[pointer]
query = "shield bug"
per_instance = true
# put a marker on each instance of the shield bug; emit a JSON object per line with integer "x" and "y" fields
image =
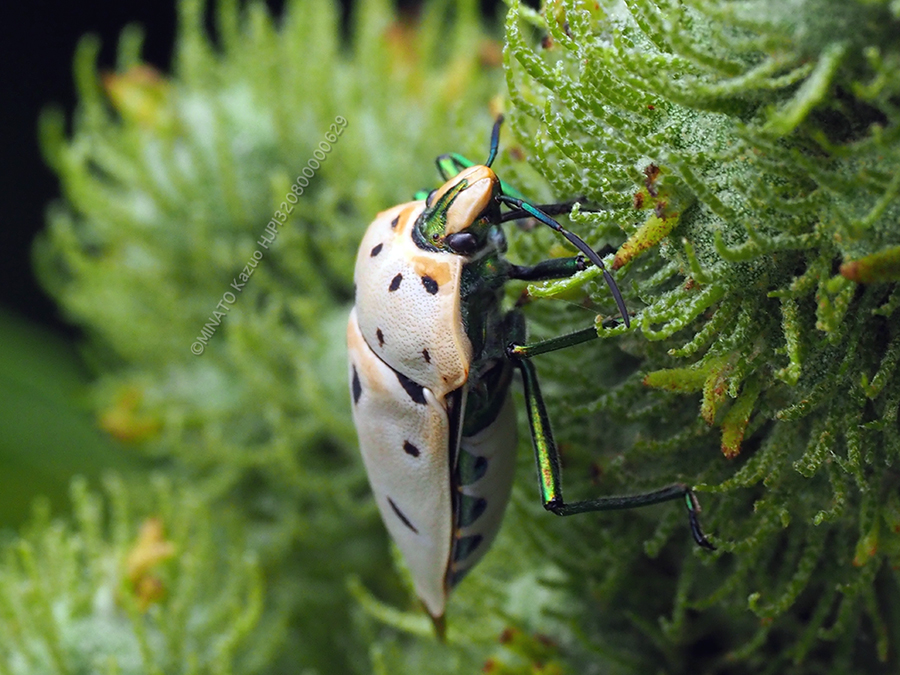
{"x": 432, "y": 355}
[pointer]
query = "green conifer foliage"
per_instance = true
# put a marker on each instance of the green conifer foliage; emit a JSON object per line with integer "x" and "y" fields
{"x": 751, "y": 152}
{"x": 148, "y": 580}
{"x": 742, "y": 159}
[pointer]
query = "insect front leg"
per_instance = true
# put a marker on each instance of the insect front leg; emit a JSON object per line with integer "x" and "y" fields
{"x": 553, "y": 268}
{"x": 547, "y": 454}
{"x": 556, "y": 268}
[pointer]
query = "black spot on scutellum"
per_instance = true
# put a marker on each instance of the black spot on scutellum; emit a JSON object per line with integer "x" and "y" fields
{"x": 395, "y": 221}
{"x": 380, "y": 337}
{"x": 401, "y": 516}
{"x": 416, "y": 391}
{"x": 376, "y": 250}
{"x": 356, "y": 386}
{"x": 410, "y": 449}
{"x": 426, "y": 356}
{"x": 430, "y": 284}
{"x": 395, "y": 283}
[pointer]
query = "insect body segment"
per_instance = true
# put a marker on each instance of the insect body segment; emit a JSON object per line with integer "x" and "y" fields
{"x": 408, "y": 303}
{"x": 483, "y": 480}
{"x": 432, "y": 354}
{"x": 394, "y": 418}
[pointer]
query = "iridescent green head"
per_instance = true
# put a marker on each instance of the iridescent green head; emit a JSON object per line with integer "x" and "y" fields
{"x": 461, "y": 211}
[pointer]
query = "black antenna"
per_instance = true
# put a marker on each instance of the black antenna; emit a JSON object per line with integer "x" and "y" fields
{"x": 577, "y": 241}
{"x": 495, "y": 141}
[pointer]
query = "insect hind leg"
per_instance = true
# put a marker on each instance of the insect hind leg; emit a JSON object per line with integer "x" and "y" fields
{"x": 550, "y": 475}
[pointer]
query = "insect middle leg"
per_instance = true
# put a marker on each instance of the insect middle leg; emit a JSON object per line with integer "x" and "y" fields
{"x": 547, "y": 454}
{"x": 554, "y": 268}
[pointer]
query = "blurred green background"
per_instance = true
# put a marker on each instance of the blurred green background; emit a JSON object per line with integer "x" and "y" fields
{"x": 162, "y": 512}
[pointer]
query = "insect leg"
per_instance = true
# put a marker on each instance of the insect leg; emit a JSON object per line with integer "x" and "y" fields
{"x": 547, "y": 458}
{"x": 451, "y": 164}
{"x": 554, "y": 268}
{"x": 518, "y": 352}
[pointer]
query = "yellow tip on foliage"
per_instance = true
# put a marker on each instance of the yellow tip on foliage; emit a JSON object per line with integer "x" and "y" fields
{"x": 123, "y": 421}
{"x": 141, "y": 95}
{"x": 150, "y": 550}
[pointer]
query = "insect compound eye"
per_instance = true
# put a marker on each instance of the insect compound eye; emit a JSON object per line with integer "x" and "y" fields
{"x": 462, "y": 242}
